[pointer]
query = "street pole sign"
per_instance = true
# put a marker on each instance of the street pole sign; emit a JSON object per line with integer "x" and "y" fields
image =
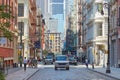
{"x": 3, "y": 40}
{"x": 37, "y": 44}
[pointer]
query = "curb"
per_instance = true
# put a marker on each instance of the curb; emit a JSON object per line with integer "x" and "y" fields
{"x": 27, "y": 78}
{"x": 103, "y": 74}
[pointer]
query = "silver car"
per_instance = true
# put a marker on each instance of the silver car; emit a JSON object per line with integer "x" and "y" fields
{"x": 61, "y": 61}
{"x": 48, "y": 60}
{"x": 72, "y": 60}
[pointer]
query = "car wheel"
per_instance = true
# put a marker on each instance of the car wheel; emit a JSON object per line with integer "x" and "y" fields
{"x": 44, "y": 63}
{"x": 67, "y": 68}
{"x": 55, "y": 68}
{"x": 76, "y": 64}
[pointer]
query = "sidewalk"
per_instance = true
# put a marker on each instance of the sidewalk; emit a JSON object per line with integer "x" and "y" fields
{"x": 20, "y": 74}
{"x": 12, "y": 70}
{"x": 115, "y": 72}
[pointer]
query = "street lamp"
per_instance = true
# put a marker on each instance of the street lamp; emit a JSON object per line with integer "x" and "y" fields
{"x": 107, "y": 5}
{"x": 21, "y": 44}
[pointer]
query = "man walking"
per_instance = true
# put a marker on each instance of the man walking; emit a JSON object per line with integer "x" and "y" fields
{"x": 25, "y": 63}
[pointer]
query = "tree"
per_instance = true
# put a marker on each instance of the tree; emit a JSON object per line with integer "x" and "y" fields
{"x": 5, "y": 16}
{"x": 45, "y": 52}
{"x": 2, "y": 76}
{"x": 100, "y": 8}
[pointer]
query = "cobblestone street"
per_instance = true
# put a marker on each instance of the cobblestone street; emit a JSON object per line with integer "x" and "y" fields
{"x": 75, "y": 73}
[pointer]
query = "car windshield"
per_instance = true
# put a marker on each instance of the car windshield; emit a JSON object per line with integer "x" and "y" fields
{"x": 61, "y": 58}
{"x": 49, "y": 57}
{"x": 71, "y": 58}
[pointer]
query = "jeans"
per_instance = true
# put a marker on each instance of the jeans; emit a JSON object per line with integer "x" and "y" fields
{"x": 24, "y": 66}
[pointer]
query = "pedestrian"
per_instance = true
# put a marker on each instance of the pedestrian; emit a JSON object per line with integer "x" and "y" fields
{"x": 86, "y": 62}
{"x": 25, "y": 63}
{"x": 29, "y": 62}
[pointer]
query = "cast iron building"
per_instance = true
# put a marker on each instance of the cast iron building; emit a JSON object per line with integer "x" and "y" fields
{"x": 53, "y": 42}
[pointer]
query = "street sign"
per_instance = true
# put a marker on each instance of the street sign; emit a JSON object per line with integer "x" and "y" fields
{"x": 73, "y": 52}
{"x": 3, "y": 40}
{"x": 19, "y": 47}
{"x": 37, "y": 44}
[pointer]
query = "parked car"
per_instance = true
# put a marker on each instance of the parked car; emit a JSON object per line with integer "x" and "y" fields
{"x": 61, "y": 61}
{"x": 72, "y": 60}
{"x": 48, "y": 60}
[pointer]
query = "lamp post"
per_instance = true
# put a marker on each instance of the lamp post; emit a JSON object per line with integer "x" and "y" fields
{"x": 107, "y": 5}
{"x": 21, "y": 44}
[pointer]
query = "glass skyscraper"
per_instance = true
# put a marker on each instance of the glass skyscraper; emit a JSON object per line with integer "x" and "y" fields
{"x": 57, "y": 1}
{"x": 56, "y": 9}
{"x": 43, "y": 5}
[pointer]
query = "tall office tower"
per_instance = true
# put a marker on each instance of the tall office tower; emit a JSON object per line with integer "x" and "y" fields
{"x": 56, "y": 9}
{"x": 43, "y": 4}
{"x": 52, "y": 25}
{"x": 53, "y": 9}
{"x": 68, "y": 11}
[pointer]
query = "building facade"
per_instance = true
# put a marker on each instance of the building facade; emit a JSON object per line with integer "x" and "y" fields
{"x": 80, "y": 50}
{"x": 56, "y": 10}
{"x": 115, "y": 33}
{"x": 95, "y": 31}
{"x": 54, "y": 42}
{"x": 43, "y": 5}
{"x": 39, "y": 34}
{"x": 52, "y": 25}
{"x": 27, "y": 27}
{"x": 72, "y": 27}
{"x": 8, "y": 49}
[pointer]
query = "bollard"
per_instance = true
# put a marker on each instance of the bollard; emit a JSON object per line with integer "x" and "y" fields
{"x": 92, "y": 65}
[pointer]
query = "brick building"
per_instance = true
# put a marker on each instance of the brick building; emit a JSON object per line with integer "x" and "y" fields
{"x": 7, "y": 47}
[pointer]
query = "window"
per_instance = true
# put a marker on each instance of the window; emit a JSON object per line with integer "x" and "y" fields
{"x": 20, "y": 9}
{"x": 118, "y": 20}
{"x": 2, "y": 1}
{"x": 113, "y": 20}
{"x": 57, "y": 9}
{"x": 99, "y": 29}
{"x": 57, "y": 1}
{"x": 61, "y": 58}
{"x": 100, "y": 8}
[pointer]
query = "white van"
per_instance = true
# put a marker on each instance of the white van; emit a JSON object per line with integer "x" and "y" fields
{"x": 61, "y": 61}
